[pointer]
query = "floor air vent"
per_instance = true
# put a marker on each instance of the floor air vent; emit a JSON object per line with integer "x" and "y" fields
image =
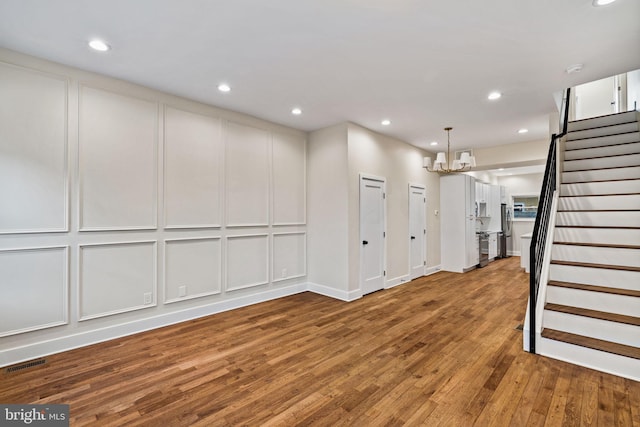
{"x": 26, "y": 365}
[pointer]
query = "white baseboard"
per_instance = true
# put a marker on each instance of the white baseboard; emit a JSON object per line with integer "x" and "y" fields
{"x": 431, "y": 270}
{"x": 333, "y": 292}
{"x": 57, "y": 345}
{"x": 392, "y": 283}
{"x": 36, "y": 350}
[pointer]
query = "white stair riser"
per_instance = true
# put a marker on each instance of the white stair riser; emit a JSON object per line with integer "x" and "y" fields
{"x": 602, "y": 163}
{"x": 610, "y": 303}
{"x": 610, "y": 150}
{"x": 595, "y": 122}
{"x": 602, "y": 141}
{"x": 603, "y": 131}
{"x": 595, "y": 203}
{"x": 599, "y": 219}
{"x": 621, "y": 279}
{"x": 596, "y": 255}
{"x": 601, "y": 175}
{"x": 595, "y": 328}
{"x": 607, "y": 187}
{"x": 614, "y": 236}
{"x": 599, "y": 360}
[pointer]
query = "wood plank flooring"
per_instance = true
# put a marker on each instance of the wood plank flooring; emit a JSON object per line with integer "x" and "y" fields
{"x": 441, "y": 350}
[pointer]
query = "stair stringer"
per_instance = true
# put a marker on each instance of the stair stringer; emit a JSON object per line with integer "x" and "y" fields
{"x": 544, "y": 279}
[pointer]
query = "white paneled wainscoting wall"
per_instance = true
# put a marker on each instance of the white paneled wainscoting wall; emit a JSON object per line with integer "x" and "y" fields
{"x": 125, "y": 209}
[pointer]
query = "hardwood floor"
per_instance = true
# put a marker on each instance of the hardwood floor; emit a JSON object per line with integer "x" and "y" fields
{"x": 441, "y": 350}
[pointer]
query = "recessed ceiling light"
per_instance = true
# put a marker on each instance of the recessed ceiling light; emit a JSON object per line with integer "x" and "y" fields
{"x": 386, "y": 122}
{"x": 575, "y": 68}
{"x": 99, "y": 45}
{"x": 494, "y": 95}
{"x": 434, "y": 143}
{"x": 597, "y": 3}
{"x": 501, "y": 169}
{"x": 523, "y": 131}
{"x": 296, "y": 111}
{"x": 223, "y": 87}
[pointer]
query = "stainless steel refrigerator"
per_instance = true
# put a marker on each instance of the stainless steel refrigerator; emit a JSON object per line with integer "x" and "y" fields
{"x": 506, "y": 217}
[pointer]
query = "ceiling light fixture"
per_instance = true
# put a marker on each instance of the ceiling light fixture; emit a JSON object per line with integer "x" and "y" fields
{"x": 575, "y": 68}
{"x": 434, "y": 143}
{"x": 223, "y": 87}
{"x": 494, "y": 95}
{"x": 523, "y": 131}
{"x": 386, "y": 122}
{"x": 99, "y": 45}
{"x": 597, "y": 3}
{"x": 296, "y": 111}
{"x": 441, "y": 165}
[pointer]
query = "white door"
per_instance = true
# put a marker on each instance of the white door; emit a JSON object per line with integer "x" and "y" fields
{"x": 417, "y": 230}
{"x": 372, "y": 234}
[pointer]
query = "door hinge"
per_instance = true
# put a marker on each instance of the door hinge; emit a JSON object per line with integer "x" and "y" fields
{"x": 384, "y": 234}
{"x": 384, "y": 195}
{"x": 424, "y": 263}
{"x": 425, "y": 200}
{"x": 384, "y": 273}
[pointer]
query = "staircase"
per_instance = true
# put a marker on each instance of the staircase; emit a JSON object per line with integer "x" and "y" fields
{"x": 592, "y": 308}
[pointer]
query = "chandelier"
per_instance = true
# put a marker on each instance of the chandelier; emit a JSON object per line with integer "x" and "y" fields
{"x": 441, "y": 165}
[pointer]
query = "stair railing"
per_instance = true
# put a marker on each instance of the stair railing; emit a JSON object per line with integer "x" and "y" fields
{"x": 543, "y": 217}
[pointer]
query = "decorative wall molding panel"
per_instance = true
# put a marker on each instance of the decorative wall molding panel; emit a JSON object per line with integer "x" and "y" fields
{"x": 117, "y": 161}
{"x": 193, "y": 154}
{"x": 192, "y": 268}
{"x": 247, "y": 175}
{"x": 116, "y": 277}
{"x": 289, "y": 180}
{"x": 247, "y": 261}
{"x": 33, "y": 151}
{"x": 34, "y": 286}
{"x": 125, "y": 209}
{"x": 289, "y": 255}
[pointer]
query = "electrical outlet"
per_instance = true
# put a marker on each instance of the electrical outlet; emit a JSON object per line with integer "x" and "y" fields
{"x": 284, "y": 272}
{"x": 147, "y": 297}
{"x": 182, "y": 291}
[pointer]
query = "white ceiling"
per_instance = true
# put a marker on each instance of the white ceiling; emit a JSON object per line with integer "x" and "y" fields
{"x": 424, "y": 64}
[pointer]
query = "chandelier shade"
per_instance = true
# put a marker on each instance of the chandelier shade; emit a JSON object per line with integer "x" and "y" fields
{"x": 441, "y": 164}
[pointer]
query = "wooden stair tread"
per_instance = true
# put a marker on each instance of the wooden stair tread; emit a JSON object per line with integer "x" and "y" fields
{"x": 597, "y": 245}
{"x": 597, "y": 180}
{"x": 600, "y": 157}
{"x": 598, "y": 136}
{"x": 594, "y": 288}
{"x": 601, "y": 146}
{"x": 598, "y": 226}
{"x": 602, "y": 315}
{"x": 593, "y": 343}
{"x": 599, "y": 210}
{"x": 602, "y": 116}
{"x": 599, "y": 195}
{"x": 593, "y": 265}
{"x": 598, "y": 169}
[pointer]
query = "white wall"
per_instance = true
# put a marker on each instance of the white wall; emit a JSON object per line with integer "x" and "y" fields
{"x": 327, "y": 203}
{"x": 125, "y": 209}
{"x": 401, "y": 164}
{"x": 633, "y": 90}
{"x": 520, "y": 185}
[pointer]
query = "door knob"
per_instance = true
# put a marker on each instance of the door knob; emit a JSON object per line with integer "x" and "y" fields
{"x": 413, "y": 237}
{"x": 364, "y": 242}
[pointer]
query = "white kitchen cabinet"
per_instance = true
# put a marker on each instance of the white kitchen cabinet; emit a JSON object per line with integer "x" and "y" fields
{"x": 459, "y": 241}
{"x": 493, "y": 245}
